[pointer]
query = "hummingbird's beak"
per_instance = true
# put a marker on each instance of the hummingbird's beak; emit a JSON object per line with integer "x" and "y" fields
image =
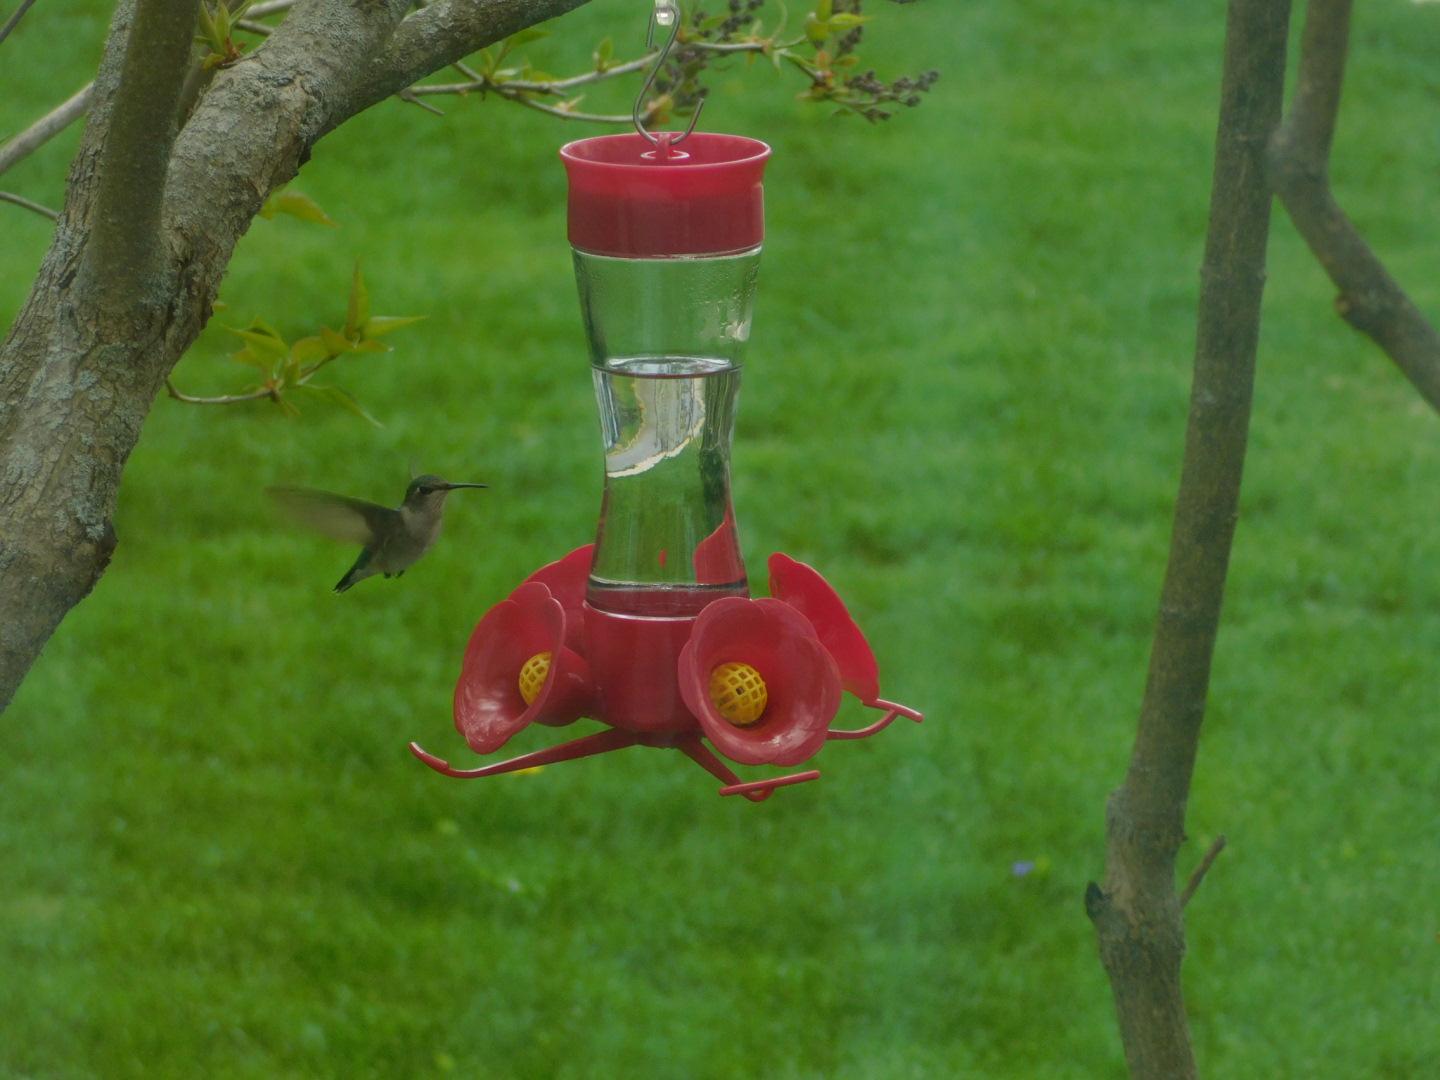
{"x": 452, "y": 487}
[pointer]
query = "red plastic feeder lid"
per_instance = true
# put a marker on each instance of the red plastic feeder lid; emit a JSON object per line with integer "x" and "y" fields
{"x": 633, "y": 200}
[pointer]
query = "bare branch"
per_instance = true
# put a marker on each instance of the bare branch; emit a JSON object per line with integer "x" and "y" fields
{"x": 125, "y": 237}
{"x": 20, "y": 200}
{"x": 752, "y": 45}
{"x": 224, "y": 399}
{"x": 1370, "y": 299}
{"x": 1197, "y": 876}
{"x": 409, "y": 97}
{"x": 478, "y": 82}
{"x": 562, "y": 113}
{"x": 14, "y": 20}
{"x": 1137, "y": 913}
{"x": 46, "y": 128}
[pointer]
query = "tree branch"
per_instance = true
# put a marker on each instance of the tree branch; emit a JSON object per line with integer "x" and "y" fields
{"x": 552, "y": 87}
{"x": 1370, "y": 299}
{"x": 1197, "y": 876}
{"x": 1137, "y": 913}
{"x": 224, "y": 399}
{"x": 46, "y": 128}
{"x": 125, "y": 233}
{"x": 18, "y": 200}
{"x": 14, "y": 20}
{"x": 562, "y": 113}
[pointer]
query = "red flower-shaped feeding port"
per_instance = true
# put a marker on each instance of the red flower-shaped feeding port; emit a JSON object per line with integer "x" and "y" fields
{"x": 802, "y": 587}
{"x": 789, "y": 671}
{"x": 518, "y": 669}
{"x": 760, "y": 679}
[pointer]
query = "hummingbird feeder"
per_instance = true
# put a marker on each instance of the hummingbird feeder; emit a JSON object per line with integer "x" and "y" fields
{"x": 651, "y": 630}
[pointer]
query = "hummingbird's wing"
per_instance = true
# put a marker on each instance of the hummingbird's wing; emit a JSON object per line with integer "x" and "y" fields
{"x": 352, "y": 521}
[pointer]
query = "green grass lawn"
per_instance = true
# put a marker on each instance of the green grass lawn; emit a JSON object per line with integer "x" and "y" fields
{"x": 964, "y": 403}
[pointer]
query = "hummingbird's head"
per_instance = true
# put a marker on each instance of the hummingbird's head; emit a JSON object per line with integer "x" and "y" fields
{"x": 431, "y": 490}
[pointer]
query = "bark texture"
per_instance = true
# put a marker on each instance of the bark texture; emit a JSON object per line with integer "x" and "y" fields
{"x": 120, "y": 296}
{"x": 1137, "y": 912}
{"x": 1370, "y": 299}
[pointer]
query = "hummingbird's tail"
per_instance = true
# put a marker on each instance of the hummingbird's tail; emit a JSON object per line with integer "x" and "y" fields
{"x": 359, "y": 572}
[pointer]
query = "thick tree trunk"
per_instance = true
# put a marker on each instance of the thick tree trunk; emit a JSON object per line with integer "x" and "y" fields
{"x": 1137, "y": 913}
{"x": 79, "y": 373}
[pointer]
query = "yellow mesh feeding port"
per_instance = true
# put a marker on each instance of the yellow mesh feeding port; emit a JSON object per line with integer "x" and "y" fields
{"x": 533, "y": 676}
{"x": 738, "y": 693}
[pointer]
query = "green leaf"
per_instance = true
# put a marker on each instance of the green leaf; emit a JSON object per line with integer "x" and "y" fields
{"x": 307, "y": 350}
{"x": 222, "y": 23}
{"x": 526, "y": 36}
{"x": 291, "y": 371}
{"x": 250, "y": 358}
{"x": 380, "y": 325}
{"x": 296, "y": 204}
{"x": 208, "y": 35}
{"x": 824, "y": 9}
{"x": 603, "y": 53}
{"x": 344, "y": 399}
{"x": 370, "y": 345}
{"x": 816, "y": 30}
{"x": 358, "y": 313}
{"x": 845, "y": 21}
{"x": 263, "y": 337}
{"x": 337, "y": 344}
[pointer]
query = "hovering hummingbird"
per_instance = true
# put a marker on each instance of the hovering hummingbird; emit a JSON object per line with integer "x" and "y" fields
{"x": 392, "y": 540}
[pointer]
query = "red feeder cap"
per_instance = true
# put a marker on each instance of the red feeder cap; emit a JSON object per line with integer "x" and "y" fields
{"x": 633, "y": 200}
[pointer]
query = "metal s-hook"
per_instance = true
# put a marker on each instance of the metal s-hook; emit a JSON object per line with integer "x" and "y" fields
{"x": 665, "y": 13}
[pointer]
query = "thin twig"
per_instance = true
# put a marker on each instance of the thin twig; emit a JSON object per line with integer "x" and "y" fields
{"x": 225, "y": 399}
{"x": 1198, "y": 875}
{"x": 47, "y": 127}
{"x": 741, "y": 46}
{"x": 14, "y": 20}
{"x": 20, "y": 200}
{"x": 409, "y": 96}
{"x": 564, "y": 114}
{"x": 550, "y": 86}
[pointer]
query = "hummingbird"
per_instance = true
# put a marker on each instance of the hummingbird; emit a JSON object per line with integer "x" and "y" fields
{"x": 392, "y": 540}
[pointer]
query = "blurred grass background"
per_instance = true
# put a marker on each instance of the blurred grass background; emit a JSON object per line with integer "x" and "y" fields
{"x": 964, "y": 404}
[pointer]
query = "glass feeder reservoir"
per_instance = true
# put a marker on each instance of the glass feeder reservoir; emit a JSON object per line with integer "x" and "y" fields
{"x": 667, "y": 248}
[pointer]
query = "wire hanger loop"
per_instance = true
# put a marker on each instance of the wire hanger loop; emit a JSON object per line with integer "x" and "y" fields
{"x": 665, "y": 13}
